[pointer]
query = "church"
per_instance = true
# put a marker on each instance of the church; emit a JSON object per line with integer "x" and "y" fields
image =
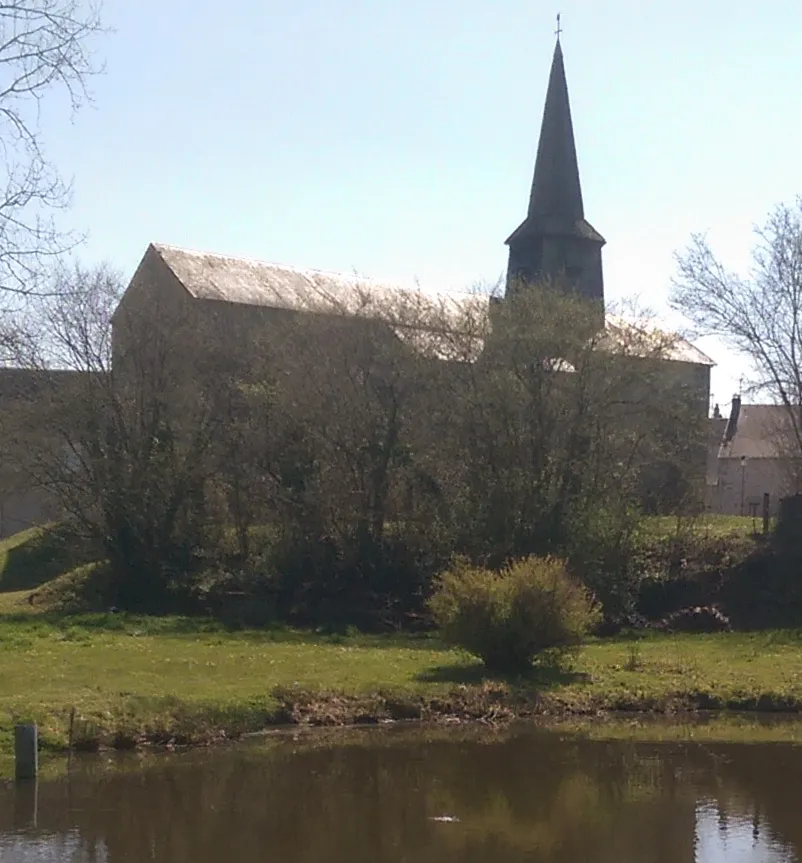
{"x": 553, "y": 244}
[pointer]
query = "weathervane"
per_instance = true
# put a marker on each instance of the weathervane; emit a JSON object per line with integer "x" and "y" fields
{"x": 559, "y": 28}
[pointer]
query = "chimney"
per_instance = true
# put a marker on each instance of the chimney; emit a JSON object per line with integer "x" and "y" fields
{"x": 732, "y": 423}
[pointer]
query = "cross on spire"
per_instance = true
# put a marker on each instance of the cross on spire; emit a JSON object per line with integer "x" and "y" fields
{"x": 559, "y": 28}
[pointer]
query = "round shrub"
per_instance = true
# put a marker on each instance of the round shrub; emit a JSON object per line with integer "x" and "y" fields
{"x": 507, "y": 618}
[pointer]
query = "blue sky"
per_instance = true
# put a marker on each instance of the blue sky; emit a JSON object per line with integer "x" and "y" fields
{"x": 398, "y": 139}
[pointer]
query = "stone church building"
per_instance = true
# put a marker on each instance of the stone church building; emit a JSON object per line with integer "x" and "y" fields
{"x": 554, "y": 242}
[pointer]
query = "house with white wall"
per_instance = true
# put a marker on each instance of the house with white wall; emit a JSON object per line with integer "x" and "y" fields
{"x": 752, "y": 453}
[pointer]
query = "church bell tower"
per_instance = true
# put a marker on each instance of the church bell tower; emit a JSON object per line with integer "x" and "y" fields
{"x": 555, "y": 242}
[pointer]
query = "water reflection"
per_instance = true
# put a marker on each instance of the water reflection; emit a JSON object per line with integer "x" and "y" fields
{"x": 735, "y": 840}
{"x": 382, "y": 797}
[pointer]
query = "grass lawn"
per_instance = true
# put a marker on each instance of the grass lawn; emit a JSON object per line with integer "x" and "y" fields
{"x": 705, "y": 525}
{"x": 133, "y": 679}
{"x": 155, "y": 678}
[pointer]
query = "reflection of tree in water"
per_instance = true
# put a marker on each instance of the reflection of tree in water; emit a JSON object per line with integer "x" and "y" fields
{"x": 573, "y": 801}
{"x": 762, "y": 784}
{"x": 535, "y": 797}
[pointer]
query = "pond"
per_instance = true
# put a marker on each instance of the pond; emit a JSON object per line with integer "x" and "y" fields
{"x": 443, "y": 794}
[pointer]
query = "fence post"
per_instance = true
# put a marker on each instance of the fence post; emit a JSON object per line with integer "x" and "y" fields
{"x": 26, "y": 751}
{"x": 765, "y": 513}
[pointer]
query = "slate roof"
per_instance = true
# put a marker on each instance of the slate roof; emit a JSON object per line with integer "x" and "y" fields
{"x": 556, "y": 190}
{"x": 257, "y": 283}
{"x": 555, "y": 202}
{"x": 555, "y": 226}
{"x": 653, "y": 340}
{"x": 762, "y": 431}
{"x": 220, "y": 278}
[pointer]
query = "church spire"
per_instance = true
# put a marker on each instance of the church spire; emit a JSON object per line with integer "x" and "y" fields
{"x": 556, "y": 191}
{"x": 555, "y": 242}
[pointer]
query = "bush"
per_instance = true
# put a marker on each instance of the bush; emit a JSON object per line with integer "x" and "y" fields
{"x": 691, "y": 568}
{"x": 765, "y": 590}
{"x": 604, "y": 549}
{"x": 507, "y": 618}
{"x": 341, "y": 580}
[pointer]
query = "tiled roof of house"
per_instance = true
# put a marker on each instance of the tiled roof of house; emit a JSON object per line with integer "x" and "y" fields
{"x": 761, "y": 431}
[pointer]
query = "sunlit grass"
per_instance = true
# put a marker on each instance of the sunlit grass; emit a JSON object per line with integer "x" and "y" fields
{"x": 711, "y": 525}
{"x": 16, "y": 602}
{"x": 193, "y": 678}
{"x": 152, "y": 678}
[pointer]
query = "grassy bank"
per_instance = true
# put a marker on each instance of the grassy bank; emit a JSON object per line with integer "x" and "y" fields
{"x": 134, "y": 680}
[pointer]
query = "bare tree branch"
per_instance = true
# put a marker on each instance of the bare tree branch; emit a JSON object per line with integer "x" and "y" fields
{"x": 758, "y": 314}
{"x": 45, "y": 47}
